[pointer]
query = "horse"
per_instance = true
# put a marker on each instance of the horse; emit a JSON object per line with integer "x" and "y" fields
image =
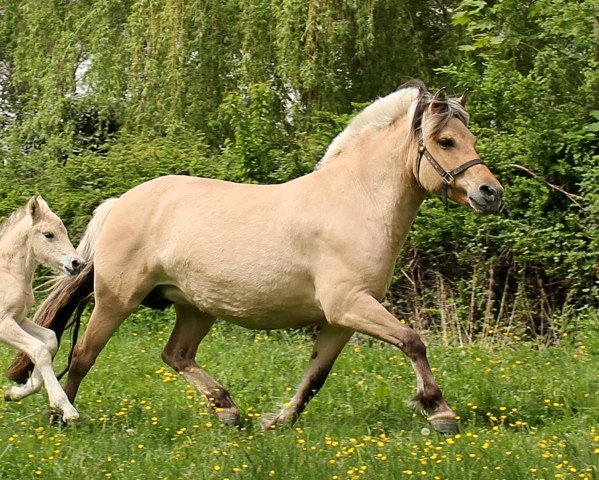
{"x": 318, "y": 250}
{"x": 31, "y": 236}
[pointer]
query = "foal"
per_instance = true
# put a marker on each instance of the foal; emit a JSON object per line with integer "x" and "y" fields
{"x": 30, "y": 236}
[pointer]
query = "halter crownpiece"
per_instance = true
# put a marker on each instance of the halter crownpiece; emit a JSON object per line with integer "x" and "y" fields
{"x": 448, "y": 176}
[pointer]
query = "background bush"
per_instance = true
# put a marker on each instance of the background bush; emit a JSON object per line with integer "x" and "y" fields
{"x": 98, "y": 96}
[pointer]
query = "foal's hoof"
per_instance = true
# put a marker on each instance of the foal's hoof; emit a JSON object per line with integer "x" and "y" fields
{"x": 228, "y": 416}
{"x": 54, "y": 417}
{"x": 7, "y": 395}
{"x": 70, "y": 418}
{"x": 447, "y": 426}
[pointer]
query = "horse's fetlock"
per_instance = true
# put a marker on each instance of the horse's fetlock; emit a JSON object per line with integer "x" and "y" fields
{"x": 413, "y": 346}
{"x": 428, "y": 399}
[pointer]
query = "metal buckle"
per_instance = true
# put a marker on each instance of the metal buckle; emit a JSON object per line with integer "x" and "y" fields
{"x": 447, "y": 177}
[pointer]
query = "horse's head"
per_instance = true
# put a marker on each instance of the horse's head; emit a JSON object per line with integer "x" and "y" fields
{"x": 447, "y": 163}
{"x": 50, "y": 240}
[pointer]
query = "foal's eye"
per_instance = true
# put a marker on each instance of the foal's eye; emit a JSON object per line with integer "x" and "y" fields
{"x": 445, "y": 142}
{"x": 48, "y": 235}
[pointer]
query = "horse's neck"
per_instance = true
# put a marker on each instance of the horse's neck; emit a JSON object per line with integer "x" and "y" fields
{"x": 377, "y": 169}
{"x": 16, "y": 254}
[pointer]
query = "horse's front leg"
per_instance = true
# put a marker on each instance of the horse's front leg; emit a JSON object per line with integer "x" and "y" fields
{"x": 365, "y": 314}
{"x": 329, "y": 343}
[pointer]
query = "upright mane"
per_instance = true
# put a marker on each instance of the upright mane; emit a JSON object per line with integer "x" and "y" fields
{"x": 12, "y": 220}
{"x": 412, "y": 99}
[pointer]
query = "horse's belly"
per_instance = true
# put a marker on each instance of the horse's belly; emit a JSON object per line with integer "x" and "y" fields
{"x": 252, "y": 297}
{"x": 276, "y": 320}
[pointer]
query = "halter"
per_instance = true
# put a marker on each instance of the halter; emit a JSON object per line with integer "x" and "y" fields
{"x": 448, "y": 176}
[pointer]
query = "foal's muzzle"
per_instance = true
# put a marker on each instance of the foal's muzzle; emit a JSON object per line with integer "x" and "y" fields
{"x": 75, "y": 265}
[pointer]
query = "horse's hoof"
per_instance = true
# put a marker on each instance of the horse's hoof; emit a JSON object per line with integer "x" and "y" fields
{"x": 447, "y": 426}
{"x": 270, "y": 421}
{"x": 228, "y": 416}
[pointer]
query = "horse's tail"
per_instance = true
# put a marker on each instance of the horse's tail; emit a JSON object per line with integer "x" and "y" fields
{"x": 69, "y": 295}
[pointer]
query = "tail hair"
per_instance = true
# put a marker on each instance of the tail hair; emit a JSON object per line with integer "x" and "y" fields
{"x": 70, "y": 294}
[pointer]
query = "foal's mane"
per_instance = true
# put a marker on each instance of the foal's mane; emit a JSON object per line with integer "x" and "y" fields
{"x": 411, "y": 99}
{"x": 12, "y": 220}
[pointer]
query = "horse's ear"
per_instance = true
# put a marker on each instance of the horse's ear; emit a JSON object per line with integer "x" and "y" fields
{"x": 439, "y": 102}
{"x": 464, "y": 98}
{"x": 34, "y": 208}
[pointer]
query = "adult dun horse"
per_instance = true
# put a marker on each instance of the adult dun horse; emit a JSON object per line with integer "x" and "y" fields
{"x": 318, "y": 250}
{"x": 30, "y": 236}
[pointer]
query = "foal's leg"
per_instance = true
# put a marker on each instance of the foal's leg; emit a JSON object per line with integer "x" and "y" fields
{"x": 16, "y": 337}
{"x": 364, "y": 314}
{"x": 35, "y": 381}
{"x": 329, "y": 343}
{"x": 191, "y": 327}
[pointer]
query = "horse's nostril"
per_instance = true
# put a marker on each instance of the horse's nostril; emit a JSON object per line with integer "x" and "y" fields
{"x": 76, "y": 265}
{"x": 488, "y": 191}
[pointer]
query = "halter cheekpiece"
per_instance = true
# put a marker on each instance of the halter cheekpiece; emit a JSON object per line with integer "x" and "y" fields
{"x": 448, "y": 176}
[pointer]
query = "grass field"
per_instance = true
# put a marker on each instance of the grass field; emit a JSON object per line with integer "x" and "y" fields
{"x": 526, "y": 413}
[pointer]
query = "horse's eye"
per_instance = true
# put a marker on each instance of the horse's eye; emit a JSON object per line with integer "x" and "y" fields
{"x": 48, "y": 235}
{"x": 446, "y": 142}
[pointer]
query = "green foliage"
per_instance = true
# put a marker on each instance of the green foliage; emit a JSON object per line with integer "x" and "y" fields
{"x": 98, "y": 96}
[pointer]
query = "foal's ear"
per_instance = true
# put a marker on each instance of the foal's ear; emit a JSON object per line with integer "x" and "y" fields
{"x": 464, "y": 98}
{"x": 34, "y": 208}
{"x": 439, "y": 102}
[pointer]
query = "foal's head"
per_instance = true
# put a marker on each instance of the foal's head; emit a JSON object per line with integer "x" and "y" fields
{"x": 448, "y": 164}
{"x": 49, "y": 238}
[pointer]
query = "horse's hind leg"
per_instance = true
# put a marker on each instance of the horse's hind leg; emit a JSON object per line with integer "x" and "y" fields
{"x": 191, "y": 327}
{"x": 35, "y": 381}
{"x": 329, "y": 343}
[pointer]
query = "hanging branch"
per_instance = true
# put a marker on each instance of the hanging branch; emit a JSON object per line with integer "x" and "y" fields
{"x": 573, "y": 198}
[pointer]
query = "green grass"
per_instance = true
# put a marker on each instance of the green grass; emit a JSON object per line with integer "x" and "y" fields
{"x": 526, "y": 413}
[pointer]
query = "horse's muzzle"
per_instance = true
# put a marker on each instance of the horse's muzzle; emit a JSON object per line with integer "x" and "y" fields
{"x": 487, "y": 198}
